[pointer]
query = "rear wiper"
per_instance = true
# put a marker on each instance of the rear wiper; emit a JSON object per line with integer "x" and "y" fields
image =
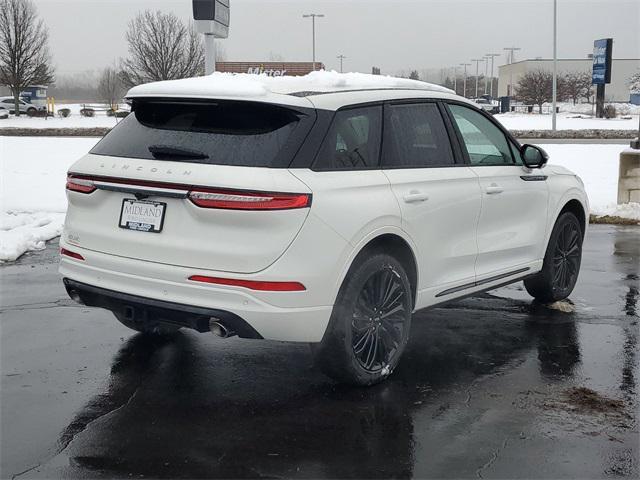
{"x": 165, "y": 152}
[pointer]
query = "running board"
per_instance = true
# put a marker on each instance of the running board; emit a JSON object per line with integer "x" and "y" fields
{"x": 467, "y": 286}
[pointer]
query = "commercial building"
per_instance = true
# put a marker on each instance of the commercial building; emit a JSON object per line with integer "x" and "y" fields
{"x": 616, "y": 91}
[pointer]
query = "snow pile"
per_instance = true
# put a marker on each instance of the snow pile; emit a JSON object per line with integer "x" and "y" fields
{"x": 33, "y": 172}
{"x": 627, "y": 210}
{"x": 252, "y": 85}
{"x": 21, "y": 232}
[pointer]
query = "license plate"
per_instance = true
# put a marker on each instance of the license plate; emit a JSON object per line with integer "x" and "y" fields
{"x": 142, "y": 215}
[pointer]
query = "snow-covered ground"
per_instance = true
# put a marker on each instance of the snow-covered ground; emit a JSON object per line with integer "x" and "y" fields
{"x": 33, "y": 172}
{"x": 32, "y": 197}
{"x": 571, "y": 117}
{"x": 565, "y": 121}
{"x": 75, "y": 120}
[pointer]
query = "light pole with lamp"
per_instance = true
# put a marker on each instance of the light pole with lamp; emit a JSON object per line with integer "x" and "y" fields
{"x": 455, "y": 79}
{"x": 511, "y": 59}
{"x": 492, "y": 56}
{"x": 486, "y": 74}
{"x": 477, "y": 60}
{"x": 464, "y": 85}
{"x": 313, "y": 32}
{"x": 555, "y": 65}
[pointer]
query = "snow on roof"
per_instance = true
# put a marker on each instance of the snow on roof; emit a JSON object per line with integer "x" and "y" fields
{"x": 221, "y": 84}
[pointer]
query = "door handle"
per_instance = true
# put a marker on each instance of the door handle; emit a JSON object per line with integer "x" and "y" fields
{"x": 494, "y": 189}
{"x": 415, "y": 196}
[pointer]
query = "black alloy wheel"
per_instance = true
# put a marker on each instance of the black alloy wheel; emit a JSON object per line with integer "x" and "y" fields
{"x": 561, "y": 264}
{"x": 378, "y": 323}
{"x": 370, "y": 322}
{"x": 566, "y": 258}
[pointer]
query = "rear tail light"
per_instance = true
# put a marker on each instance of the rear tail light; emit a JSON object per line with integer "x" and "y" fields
{"x": 69, "y": 253}
{"x": 82, "y": 185}
{"x": 200, "y": 196}
{"x": 248, "y": 200}
{"x": 252, "y": 284}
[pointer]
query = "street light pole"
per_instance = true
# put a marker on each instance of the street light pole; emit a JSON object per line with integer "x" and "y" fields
{"x": 455, "y": 79}
{"x": 492, "y": 56}
{"x": 477, "y": 60}
{"x": 464, "y": 87}
{"x": 313, "y": 33}
{"x": 341, "y": 57}
{"x": 511, "y": 57}
{"x": 486, "y": 74}
{"x": 555, "y": 64}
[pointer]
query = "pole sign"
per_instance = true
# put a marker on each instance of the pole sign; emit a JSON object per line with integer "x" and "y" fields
{"x": 212, "y": 17}
{"x": 602, "y": 54}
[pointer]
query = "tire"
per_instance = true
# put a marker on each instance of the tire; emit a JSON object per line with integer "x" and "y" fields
{"x": 148, "y": 328}
{"x": 31, "y": 112}
{"x": 375, "y": 298}
{"x": 561, "y": 264}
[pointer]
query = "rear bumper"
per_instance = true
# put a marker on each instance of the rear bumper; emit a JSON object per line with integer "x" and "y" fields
{"x": 110, "y": 282}
{"x": 143, "y": 309}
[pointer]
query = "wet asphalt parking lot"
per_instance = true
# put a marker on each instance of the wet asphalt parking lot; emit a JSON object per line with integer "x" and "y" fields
{"x": 492, "y": 386}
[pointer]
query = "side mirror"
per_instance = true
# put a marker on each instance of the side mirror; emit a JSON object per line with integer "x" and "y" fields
{"x": 534, "y": 156}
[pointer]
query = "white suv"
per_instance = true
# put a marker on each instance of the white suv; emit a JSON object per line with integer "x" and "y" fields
{"x": 321, "y": 212}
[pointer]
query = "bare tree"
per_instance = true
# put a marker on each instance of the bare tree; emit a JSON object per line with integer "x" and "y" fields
{"x": 634, "y": 82}
{"x": 24, "y": 53}
{"x": 536, "y": 88}
{"x": 576, "y": 85}
{"x": 161, "y": 47}
{"x": 414, "y": 75}
{"x": 110, "y": 89}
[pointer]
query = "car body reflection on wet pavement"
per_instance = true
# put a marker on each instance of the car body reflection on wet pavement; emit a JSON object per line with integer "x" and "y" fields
{"x": 487, "y": 388}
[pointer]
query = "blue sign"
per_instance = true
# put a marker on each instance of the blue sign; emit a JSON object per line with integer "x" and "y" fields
{"x": 602, "y": 50}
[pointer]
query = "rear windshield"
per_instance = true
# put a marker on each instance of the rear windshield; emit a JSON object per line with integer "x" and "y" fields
{"x": 217, "y": 133}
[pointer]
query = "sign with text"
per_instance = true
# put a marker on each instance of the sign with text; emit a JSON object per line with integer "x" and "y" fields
{"x": 602, "y": 54}
{"x": 212, "y": 17}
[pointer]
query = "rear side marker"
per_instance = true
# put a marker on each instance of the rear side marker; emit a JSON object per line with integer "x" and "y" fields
{"x": 69, "y": 253}
{"x": 251, "y": 284}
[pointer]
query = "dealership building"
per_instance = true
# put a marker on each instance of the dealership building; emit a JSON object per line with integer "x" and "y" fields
{"x": 273, "y": 69}
{"x": 616, "y": 91}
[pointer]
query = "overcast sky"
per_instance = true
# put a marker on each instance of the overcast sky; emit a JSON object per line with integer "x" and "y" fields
{"x": 392, "y": 34}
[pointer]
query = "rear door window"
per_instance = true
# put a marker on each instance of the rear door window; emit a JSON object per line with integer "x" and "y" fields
{"x": 415, "y": 137}
{"x": 353, "y": 140}
{"x": 217, "y": 133}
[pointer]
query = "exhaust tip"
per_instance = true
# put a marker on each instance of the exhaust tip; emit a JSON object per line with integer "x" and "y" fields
{"x": 75, "y": 296}
{"x": 218, "y": 329}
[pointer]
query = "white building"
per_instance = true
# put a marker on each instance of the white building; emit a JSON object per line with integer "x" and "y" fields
{"x": 616, "y": 91}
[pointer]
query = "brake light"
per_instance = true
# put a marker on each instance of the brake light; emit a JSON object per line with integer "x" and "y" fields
{"x": 249, "y": 200}
{"x": 69, "y": 253}
{"x": 252, "y": 284}
{"x": 82, "y": 185}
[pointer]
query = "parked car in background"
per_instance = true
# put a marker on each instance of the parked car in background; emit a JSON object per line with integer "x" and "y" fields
{"x": 488, "y": 105}
{"x": 9, "y": 104}
{"x": 312, "y": 214}
{"x": 4, "y": 113}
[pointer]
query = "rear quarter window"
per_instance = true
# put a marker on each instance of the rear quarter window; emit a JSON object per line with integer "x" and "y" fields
{"x": 218, "y": 133}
